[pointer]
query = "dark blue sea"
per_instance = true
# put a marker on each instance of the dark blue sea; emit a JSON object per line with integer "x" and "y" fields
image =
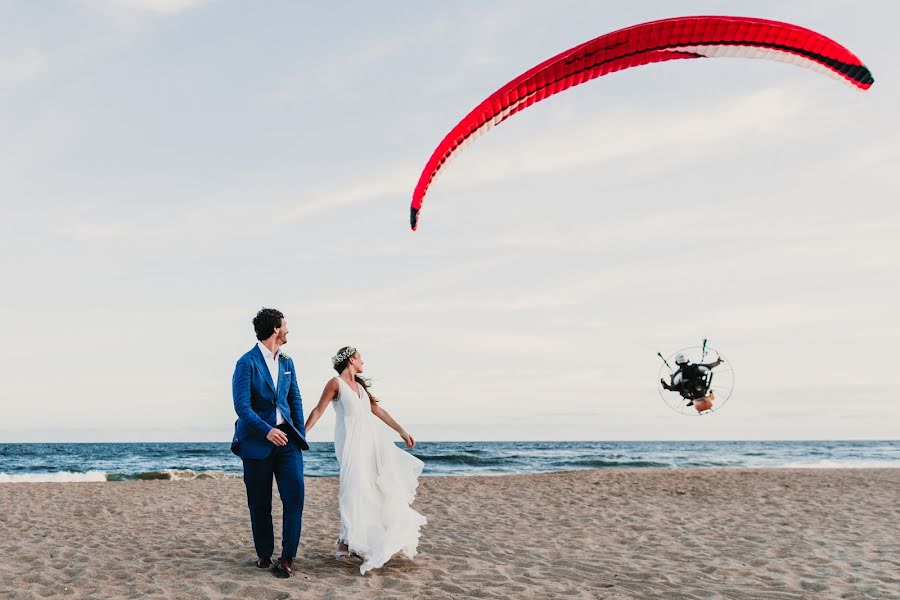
{"x": 118, "y": 462}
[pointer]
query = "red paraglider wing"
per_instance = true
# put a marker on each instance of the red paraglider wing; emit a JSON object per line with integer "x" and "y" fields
{"x": 657, "y": 41}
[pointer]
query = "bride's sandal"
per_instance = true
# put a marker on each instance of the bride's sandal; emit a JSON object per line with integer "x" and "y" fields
{"x": 341, "y": 554}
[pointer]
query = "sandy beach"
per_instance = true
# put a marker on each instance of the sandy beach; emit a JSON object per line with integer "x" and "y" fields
{"x": 637, "y": 533}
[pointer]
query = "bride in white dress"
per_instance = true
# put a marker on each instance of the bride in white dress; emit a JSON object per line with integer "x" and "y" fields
{"x": 378, "y": 480}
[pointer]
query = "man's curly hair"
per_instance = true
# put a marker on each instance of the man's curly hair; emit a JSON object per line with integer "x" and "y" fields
{"x": 266, "y": 321}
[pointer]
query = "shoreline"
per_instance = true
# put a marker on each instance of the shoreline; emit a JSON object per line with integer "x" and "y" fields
{"x": 603, "y": 533}
{"x": 198, "y": 460}
{"x": 184, "y": 475}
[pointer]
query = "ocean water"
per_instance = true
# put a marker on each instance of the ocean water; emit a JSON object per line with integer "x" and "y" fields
{"x": 117, "y": 462}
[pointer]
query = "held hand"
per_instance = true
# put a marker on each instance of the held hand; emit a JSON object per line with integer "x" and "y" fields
{"x": 410, "y": 442}
{"x": 277, "y": 437}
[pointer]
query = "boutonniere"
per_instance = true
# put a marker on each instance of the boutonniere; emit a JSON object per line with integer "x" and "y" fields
{"x": 283, "y": 356}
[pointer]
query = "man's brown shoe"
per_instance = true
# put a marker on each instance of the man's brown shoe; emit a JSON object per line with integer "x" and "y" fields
{"x": 284, "y": 567}
{"x": 263, "y": 563}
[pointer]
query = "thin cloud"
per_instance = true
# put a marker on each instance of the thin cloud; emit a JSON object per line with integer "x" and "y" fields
{"x": 21, "y": 68}
{"x": 158, "y": 7}
{"x": 878, "y": 162}
{"x": 681, "y": 134}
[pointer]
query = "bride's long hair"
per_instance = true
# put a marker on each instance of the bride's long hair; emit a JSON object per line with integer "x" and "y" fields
{"x": 364, "y": 382}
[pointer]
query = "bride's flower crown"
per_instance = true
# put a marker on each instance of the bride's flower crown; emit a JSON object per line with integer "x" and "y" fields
{"x": 342, "y": 355}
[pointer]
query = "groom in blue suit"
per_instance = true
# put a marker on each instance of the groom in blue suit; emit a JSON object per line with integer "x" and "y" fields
{"x": 269, "y": 436}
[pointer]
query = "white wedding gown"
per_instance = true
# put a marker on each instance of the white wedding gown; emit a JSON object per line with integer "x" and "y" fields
{"x": 378, "y": 483}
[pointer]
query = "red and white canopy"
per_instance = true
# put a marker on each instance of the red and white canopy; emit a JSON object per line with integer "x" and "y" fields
{"x": 657, "y": 41}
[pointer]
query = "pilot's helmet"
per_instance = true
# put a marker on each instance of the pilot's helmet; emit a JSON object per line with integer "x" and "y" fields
{"x": 681, "y": 359}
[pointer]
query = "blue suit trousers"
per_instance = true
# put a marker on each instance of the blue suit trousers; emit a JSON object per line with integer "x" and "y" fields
{"x": 285, "y": 463}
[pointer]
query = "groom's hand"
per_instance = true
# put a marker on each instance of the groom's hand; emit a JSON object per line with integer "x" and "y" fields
{"x": 277, "y": 437}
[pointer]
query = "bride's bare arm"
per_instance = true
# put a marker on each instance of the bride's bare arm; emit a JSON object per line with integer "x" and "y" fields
{"x": 328, "y": 394}
{"x": 390, "y": 422}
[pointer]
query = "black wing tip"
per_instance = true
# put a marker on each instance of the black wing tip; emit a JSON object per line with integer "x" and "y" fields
{"x": 859, "y": 74}
{"x": 414, "y": 218}
{"x": 866, "y": 76}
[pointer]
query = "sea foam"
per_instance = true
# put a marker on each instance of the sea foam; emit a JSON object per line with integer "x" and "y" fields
{"x": 58, "y": 476}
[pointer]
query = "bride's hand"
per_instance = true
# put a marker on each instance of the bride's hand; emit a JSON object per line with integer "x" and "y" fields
{"x": 410, "y": 442}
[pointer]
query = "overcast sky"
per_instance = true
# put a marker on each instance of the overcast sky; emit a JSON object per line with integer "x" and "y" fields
{"x": 167, "y": 167}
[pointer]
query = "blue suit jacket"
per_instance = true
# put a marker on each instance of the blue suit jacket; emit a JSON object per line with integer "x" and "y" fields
{"x": 254, "y": 402}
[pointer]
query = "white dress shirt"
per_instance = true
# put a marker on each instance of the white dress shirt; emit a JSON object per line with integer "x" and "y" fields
{"x": 272, "y": 363}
